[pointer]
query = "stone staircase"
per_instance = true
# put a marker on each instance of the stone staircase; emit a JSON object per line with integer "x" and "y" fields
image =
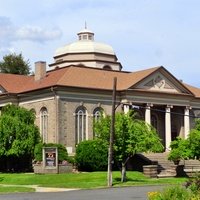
{"x": 166, "y": 168}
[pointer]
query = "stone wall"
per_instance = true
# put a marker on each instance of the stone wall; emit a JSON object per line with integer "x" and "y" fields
{"x": 39, "y": 169}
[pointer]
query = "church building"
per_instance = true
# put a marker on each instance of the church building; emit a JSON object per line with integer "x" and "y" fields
{"x": 68, "y": 98}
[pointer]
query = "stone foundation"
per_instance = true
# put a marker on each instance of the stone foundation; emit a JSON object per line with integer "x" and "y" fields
{"x": 150, "y": 171}
{"x": 39, "y": 169}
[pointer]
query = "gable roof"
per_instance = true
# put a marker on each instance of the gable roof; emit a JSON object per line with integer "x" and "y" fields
{"x": 84, "y": 77}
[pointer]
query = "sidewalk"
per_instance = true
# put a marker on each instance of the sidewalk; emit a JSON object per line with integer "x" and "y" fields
{"x": 42, "y": 189}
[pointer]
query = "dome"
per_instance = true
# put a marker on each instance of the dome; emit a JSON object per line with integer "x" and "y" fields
{"x": 85, "y": 47}
{"x": 85, "y": 44}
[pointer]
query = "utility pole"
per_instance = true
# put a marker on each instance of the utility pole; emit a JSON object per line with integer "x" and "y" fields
{"x": 112, "y": 131}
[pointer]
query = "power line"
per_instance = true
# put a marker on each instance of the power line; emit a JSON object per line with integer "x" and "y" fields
{"x": 120, "y": 103}
{"x": 164, "y": 111}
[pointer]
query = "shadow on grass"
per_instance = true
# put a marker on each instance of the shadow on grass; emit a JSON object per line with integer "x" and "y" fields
{"x": 1, "y": 179}
{"x": 130, "y": 180}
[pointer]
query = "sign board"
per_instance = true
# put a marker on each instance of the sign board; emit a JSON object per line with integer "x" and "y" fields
{"x": 50, "y": 157}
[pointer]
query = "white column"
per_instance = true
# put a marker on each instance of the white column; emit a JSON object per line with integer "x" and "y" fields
{"x": 126, "y": 109}
{"x": 168, "y": 127}
{"x": 186, "y": 122}
{"x": 148, "y": 114}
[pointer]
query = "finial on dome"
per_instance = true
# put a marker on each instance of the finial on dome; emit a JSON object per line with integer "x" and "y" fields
{"x": 85, "y": 34}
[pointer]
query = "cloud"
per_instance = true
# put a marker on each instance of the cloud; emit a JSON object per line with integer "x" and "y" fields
{"x": 35, "y": 33}
{"x": 10, "y": 33}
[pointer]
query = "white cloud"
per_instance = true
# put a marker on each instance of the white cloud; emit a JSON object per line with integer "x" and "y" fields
{"x": 35, "y": 33}
{"x": 10, "y": 33}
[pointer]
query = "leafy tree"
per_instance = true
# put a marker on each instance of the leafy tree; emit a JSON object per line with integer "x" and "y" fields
{"x": 92, "y": 155}
{"x": 186, "y": 148}
{"x": 131, "y": 136}
{"x": 18, "y": 133}
{"x": 179, "y": 150}
{"x": 194, "y": 140}
{"x": 15, "y": 64}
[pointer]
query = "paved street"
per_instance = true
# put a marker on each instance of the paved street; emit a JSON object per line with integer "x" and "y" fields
{"x": 125, "y": 193}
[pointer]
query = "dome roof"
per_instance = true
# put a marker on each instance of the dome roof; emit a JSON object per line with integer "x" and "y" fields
{"x": 85, "y": 47}
{"x": 85, "y": 44}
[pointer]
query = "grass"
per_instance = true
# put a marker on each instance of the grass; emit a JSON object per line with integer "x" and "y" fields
{"x": 83, "y": 180}
{"x": 15, "y": 189}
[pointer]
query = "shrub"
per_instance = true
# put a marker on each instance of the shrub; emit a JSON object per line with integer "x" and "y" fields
{"x": 62, "y": 151}
{"x": 171, "y": 193}
{"x": 191, "y": 191}
{"x": 179, "y": 150}
{"x": 194, "y": 184}
{"x": 91, "y": 155}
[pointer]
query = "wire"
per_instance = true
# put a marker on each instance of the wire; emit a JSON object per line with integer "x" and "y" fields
{"x": 118, "y": 103}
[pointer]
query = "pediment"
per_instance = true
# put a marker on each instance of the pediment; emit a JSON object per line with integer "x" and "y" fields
{"x": 2, "y": 90}
{"x": 162, "y": 82}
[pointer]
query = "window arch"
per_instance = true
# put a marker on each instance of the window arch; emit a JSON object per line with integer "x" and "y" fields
{"x": 107, "y": 67}
{"x": 44, "y": 124}
{"x": 97, "y": 113}
{"x": 81, "y": 124}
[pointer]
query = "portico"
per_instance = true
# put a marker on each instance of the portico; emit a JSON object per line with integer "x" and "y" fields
{"x": 170, "y": 121}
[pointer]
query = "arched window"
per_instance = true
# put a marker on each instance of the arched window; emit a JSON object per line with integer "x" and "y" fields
{"x": 97, "y": 113}
{"x": 44, "y": 124}
{"x": 154, "y": 121}
{"x": 107, "y": 67}
{"x": 81, "y": 124}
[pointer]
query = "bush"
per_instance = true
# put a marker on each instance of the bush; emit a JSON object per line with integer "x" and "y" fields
{"x": 62, "y": 151}
{"x": 194, "y": 184}
{"x": 191, "y": 191}
{"x": 92, "y": 155}
{"x": 171, "y": 193}
{"x": 179, "y": 150}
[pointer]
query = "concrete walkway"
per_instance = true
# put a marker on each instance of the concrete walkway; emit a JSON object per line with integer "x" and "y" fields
{"x": 42, "y": 189}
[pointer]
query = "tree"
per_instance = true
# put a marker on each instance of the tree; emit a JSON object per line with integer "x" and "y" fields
{"x": 179, "y": 150}
{"x": 131, "y": 136}
{"x": 14, "y": 64}
{"x": 18, "y": 133}
{"x": 186, "y": 148}
{"x": 194, "y": 141}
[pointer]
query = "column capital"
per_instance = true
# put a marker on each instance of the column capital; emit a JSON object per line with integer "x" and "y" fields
{"x": 148, "y": 105}
{"x": 188, "y": 107}
{"x": 169, "y": 106}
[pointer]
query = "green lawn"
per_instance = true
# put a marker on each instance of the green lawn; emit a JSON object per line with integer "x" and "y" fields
{"x": 14, "y": 189}
{"x": 82, "y": 180}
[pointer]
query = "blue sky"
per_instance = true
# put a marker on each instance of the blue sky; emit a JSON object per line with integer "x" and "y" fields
{"x": 143, "y": 33}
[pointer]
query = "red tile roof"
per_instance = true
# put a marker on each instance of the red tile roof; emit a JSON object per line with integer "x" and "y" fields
{"x": 81, "y": 77}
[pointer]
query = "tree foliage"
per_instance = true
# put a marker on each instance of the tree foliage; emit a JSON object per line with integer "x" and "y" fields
{"x": 15, "y": 64}
{"x": 92, "y": 155}
{"x": 179, "y": 150}
{"x": 194, "y": 141}
{"x": 186, "y": 148}
{"x": 131, "y": 136}
{"x": 18, "y": 133}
